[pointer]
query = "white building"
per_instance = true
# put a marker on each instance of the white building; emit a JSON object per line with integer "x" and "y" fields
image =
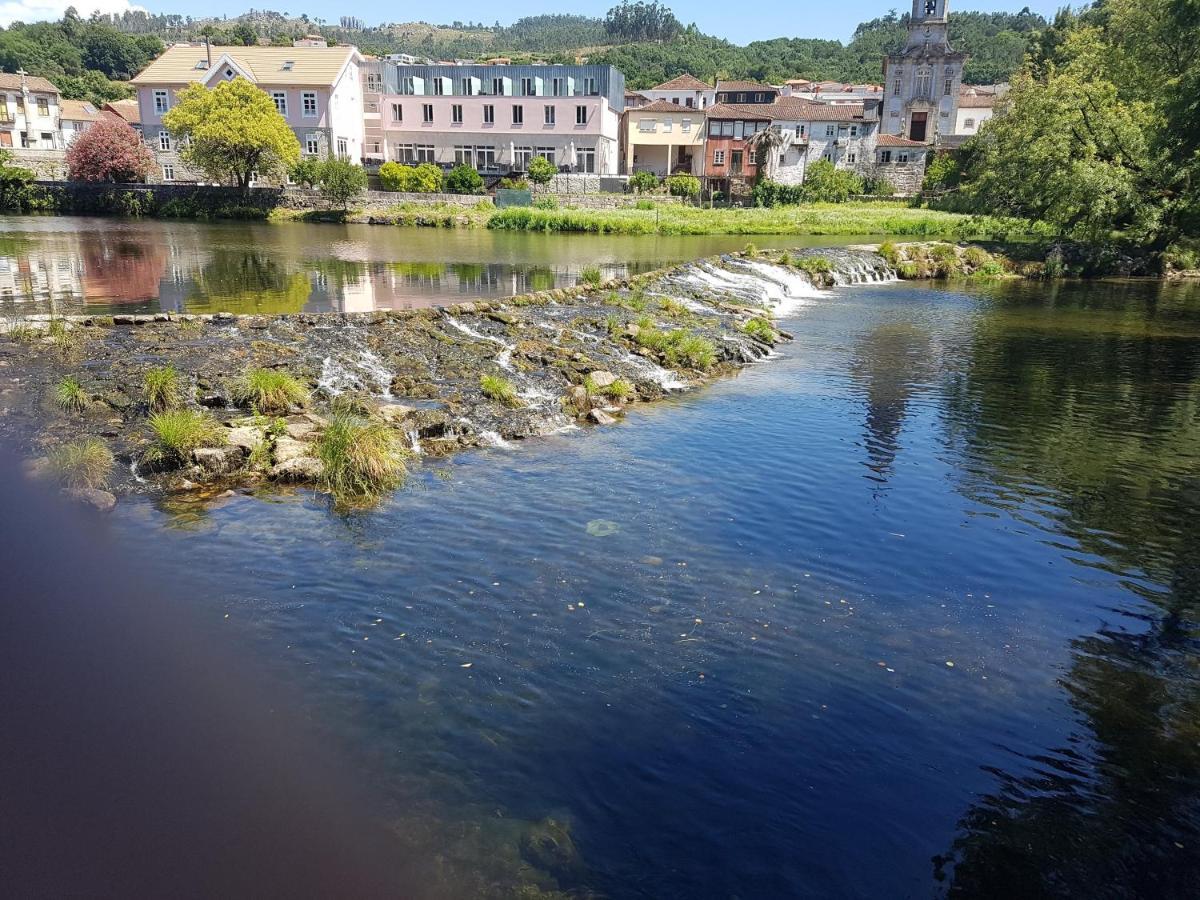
{"x": 686, "y": 91}
{"x": 922, "y": 81}
{"x": 29, "y": 112}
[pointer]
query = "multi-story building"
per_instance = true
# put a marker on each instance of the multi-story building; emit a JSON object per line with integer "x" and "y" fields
{"x": 922, "y": 81}
{"x": 494, "y": 117}
{"x": 77, "y": 117}
{"x": 315, "y": 88}
{"x": 745, "y": 92}
{"x": 729, "y": 151}
{"x": 685, "y": 90}
{"x": 975, "y": 106}
{"x": 831, "y": 91}
{"x": 29, "y": 112}
{"x": 664, "y": 138}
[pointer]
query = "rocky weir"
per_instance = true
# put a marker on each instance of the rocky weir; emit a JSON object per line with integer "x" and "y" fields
{"x": 432, "y": 381}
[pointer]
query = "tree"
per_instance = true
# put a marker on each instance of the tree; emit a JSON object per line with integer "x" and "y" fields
{"x": 307, "y": 172}
{"x": 541, "y": 170}
{"x": 763, "y": 145}
{"x": 109, "y": 151}
{"x": 464, "y": 180}
{"x": 233, "y": 132}
{"x": 14, "y": 183}
{"x": 244, "y": 34}
{"x": 341, "y": 181}
{"x": 826, "y": 183}
{"x": 637, "y": 21}
{"x": 643, "y": 182}
{"x": 683, "y": 185}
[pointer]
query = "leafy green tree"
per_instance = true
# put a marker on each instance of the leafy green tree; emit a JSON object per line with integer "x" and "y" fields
{"x": 826, "y": 183}
{"x": 307, "y": 172}
{"x": 244, "y": 34}
{"x": 682, "y": 185}
{"x": 541, "y": 170}
{"x": 643, "y": 182}
{"x": 233, "y": 132}
{"x": 15, "y": 183}
{"x": 464, "y": 180}
{"x": 341, "y": 181}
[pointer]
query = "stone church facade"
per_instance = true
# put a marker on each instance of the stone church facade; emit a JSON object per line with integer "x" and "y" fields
{"x": 922, "y": 81}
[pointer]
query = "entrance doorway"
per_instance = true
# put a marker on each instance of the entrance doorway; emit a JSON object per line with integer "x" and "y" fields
{"x": 916, "y": 126}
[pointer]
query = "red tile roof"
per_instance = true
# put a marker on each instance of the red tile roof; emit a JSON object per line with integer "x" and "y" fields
{"x": 895, "y": 140}
{"x": 125, "y": 109}
{"x": 743, "y": 86}
{"x": 11, "y": 82}
{"x": 797, "y": 109}
{"x": 976, "y": 100}
{"x": 684, "y": 82}
{"x": 667, "y": 106}
{"x": 755, "y": 111}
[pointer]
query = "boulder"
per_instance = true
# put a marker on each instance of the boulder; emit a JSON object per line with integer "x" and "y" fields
{"x": 298, "y": 468}
{"x": 287, "y": 449}
{"x": 245, "y": 437}
{"x": 395, "y": 413}
{"x": 578, "y": 399}
{"x": 101, "y": 501}
{"x": 600, "y": 417}
{"x": 300, "y": 430}
{"x": 429, "y": 423}
{"x": 602, "y": 379}
{"x": 218, "y": 460}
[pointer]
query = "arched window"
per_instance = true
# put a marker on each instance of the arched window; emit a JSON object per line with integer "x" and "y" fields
{"x": 924, "y": 82}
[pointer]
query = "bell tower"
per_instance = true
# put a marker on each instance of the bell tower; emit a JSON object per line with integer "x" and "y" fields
{"x": 921, "y": 82}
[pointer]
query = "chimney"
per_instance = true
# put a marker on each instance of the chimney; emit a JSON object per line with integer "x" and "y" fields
{"x": 208, "y": 49}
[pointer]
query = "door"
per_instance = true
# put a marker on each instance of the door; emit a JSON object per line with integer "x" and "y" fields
{"x": 585, "y": 160}
{"x": 916, "y": 126}
{"x": 735, "y": 162}
{"x": 5, "y": 138}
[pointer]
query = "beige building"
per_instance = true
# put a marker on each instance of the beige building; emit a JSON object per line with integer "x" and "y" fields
{"x": 664, "y": 138}
{"x": 29, "y": 112}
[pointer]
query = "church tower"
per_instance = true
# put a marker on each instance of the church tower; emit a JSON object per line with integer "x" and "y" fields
{"x": 922, "y": 81}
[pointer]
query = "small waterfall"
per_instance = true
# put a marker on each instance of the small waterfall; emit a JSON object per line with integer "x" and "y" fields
{"x": 133, "y": 470}
{"x": 414, "y": 441}
{"x": 503, "y": 358}
{"x": 363, "y": 372}
{"x": 493, "y": 439}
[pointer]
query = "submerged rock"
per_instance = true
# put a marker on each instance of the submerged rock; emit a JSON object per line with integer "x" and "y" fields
{"x": 101, "y": 501}
{"x": 600, "y": 417}
{"x": 547, "y": 845}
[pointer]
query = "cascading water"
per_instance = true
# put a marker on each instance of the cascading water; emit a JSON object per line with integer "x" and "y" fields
{"x": 503, "y": 358}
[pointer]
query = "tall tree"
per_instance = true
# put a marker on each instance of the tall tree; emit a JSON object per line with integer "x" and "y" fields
{"x": 233, "y": 131}
{"x": 110, "y": 150}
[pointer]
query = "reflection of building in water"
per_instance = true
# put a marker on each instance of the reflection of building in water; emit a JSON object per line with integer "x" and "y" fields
{"x": 44, "y": 276}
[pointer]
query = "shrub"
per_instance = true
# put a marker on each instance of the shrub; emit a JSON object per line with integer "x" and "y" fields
{"x": 180, "y": 431}
{"x": 760, "y": 329}
{"x": 942, "y": 173}
{"x": 161, "y": 388}
{"x": 591, "y": 275}
{"x": 307, "y": 172}
{"x": 643, "y": 182}
{"x": 464, "y": 180}
{"x": 682, "y": 185}
{"x": 546, "y": 203}
{"x": 644, "y": 204}
{"x": 359, "y": 458}
{"x": 515, "y": 184}
{"x": 878, "y": 186}
{"x": 16, "y": 183}
{"x": 678, "y": 347}
{"x": 772, "y": 193}
{"x": 393, "y": 176}
{"x": 83, "y": 464}
{"x": 341, "y": 181}
{"x": 750, "y": 249}
{"x": 110, "y": 150}
{"x": 814, "y": 265}
{"x": 423, "y": 179}
{"x": 270, "y": 391}
{"x": 541, "y": 170}
{"x": 825, "y": 183}
{"x": 499, "y": 389}
{"x": 70, "y": 396}
{"x": 620, "y": 390}
{"x": 890, "y": 253}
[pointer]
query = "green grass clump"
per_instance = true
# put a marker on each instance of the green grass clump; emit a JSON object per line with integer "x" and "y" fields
{"x": 499, "y": 389}
{"x": 591, "y": 275}
{"x": 890, "y": 253}
{"x": 360, "y": 458}
{"x": 673, "y": 307}
{"x": 814, "y": 265}
{"x": 178, "y": 432}
{"x": 70, "y": 396}
{"x": 161, "y": 388}
{"x": 21, "y": 332}
{"x": 58, "y": 332}
{"x": 760, "y": 329}
{"x": 678, "y": 347}
{"x": 269, "y": 391}
{"x": 750, "y": 250}
{"x": 83, "y": 464}
{"x": 620, "y": 390}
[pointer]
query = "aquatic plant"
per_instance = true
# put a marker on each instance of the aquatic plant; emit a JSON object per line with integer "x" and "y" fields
{"x": 70, "y": 396}
{"x": 359, "y": 458}
{"x": 178, "y": 432}
{"x": 591, "y": 275}
{"x": 269, "y": 391}
{"x": 750, "y": 250}
{"x": 499, "y": 389}
{"x": 677, "y": 347}
{"x": 890, "y": 253}
{"x": 161, "y": 388}
{"x": 82, "y": 464}
{"x": 760, "y": 329}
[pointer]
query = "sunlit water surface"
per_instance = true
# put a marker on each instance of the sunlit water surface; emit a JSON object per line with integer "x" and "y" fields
{"x": 910, "y": 606}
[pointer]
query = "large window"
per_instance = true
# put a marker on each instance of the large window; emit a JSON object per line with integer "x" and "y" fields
{"x": 312, "y": 145}
{"x": 426, "y": 113}
{"x": 924, "y": 82}
{"x": 280, "y": 99}
{"x": 521, "y": 157}
{"x": 308, "y": 101}
{"x": 590, "y": 87}
{"x": 489, "y": 114}
{"x": 718, "y": 157}
{"x": 164, "y": 140}
{"x": 527, "y": 87}
{"x": 374, "y": 82}
{"x": 168, "y": 172}
{"x": 408, "y": 85}
{"x": 161, "y": 102}
{"x": 485, "y": 157}
{"x": 456, "y": 114}
{"x": 518, "y": 114}
{"x": 548, "y": 114}
{"x": 498, "y": 87}
{"x": 546, "y": 153}
{"x": 585, "y": 160}
{"x": 43, "y": 106}
{"x": 425, "y": 153}
{"x": 466, "y": 87}
{"x": 885, "y": 156}
{"x": 559, "y": 87}
{"x": 343, "y": 149}
{"x": 405, "y": 153}
{"x": 464, "y": 156}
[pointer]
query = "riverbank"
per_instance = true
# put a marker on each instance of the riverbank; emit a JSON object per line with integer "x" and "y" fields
{"x": 345, "y": 402}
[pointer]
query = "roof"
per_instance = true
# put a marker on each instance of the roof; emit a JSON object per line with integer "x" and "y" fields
{"x": 129, "y": 110}
{"x": 79, "y": 111}
{"x": 895, "y": 140}
{"x": 758, "y": 111}
{"x": 976, "y": 100}
{"x": 667, "y": 106}
{"x": 12, "y": 82}
{"x": 684, "y": 82}
{"x": 743, "y": 86}
{"x": 798, "y": 109}
{"x": 316, "y": 66}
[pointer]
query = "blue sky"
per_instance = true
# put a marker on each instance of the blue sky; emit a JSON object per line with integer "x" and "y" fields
{"x": 734, "y": 21}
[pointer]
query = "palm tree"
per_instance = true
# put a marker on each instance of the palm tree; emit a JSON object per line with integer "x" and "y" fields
{"x": 763, "y": 145}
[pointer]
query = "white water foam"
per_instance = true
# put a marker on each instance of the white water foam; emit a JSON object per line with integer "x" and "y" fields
{"x": 493, "y": 439}
{"x": 503, "y": 359}
{"x": 357, "y": 374}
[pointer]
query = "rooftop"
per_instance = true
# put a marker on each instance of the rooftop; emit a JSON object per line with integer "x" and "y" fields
{"x": 756, "y": 111}
{"x": 684, "y": 82}
{"x": 79, "y": 111}
{"x": 895, "y": 140}
{"x": 666, "y": 106}
{"x": 315, "y": 66}
{"x": 12, "y": 82}
{"x": 129, "y": 110}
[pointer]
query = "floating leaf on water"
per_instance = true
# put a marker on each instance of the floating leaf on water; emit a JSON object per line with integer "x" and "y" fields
{"x": 602, "y": 527}
{"x": 466, "y": 665}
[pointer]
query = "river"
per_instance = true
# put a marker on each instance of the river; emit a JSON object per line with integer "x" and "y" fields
{"x": 909, "y": 609}
{"x": 70, "y": 264}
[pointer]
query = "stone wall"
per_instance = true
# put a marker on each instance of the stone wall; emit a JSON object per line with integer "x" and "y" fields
{"x": 50, "y": 165}
{"x": 906, "y": 178}
{"x": 375, "y": 201}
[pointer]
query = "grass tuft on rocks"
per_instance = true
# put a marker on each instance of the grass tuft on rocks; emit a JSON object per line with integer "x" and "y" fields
{"x": 69, "y": 395}
{"x": 178, "y": 432}
{"x": 161, "y": 388}
{"x": 620, "y": 390}
{"x": 499, "y": 389}
{"x": 270, "y": 391}
{"x": 361, "y": 459}
{"x": 591, "y": 275}
{"x": 760, "y": 329}
{"x": 83, "y": 464}
{"x": 678, "y": 347}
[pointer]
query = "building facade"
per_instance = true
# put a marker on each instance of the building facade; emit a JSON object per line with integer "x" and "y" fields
{"x": 685, "y": 90}
{"x": 29, "y": 113}
{"x": 923, "y": 80}
{"x": 495, "y": 118}
{"x": 315, "y": 88}
{"x": 664, "y": 138}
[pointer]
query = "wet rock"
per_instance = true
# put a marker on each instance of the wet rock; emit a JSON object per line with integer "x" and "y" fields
{"x": 429, "y": 423}
{"x": 212, "y": 400}
{"x": 600, "y": 417}
{"x": 395, "y": 413}
{"x": 287, "y": 449}
{"x": 245, "y": 437}
{"x": 602, "y": 379}
{"x": 218, "y": 460}
{"x": 547, "y": 845}
{"x": 101, "y": 501}
{"x": 298, "y": 468}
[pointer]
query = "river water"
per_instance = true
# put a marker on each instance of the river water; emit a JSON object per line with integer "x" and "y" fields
{"x": 105, "y": 266}
{"x": 909, "y": 609}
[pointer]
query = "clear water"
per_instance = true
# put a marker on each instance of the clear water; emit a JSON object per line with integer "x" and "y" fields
{"x": 104, "y": 266}
{"x": 910, "y": 608}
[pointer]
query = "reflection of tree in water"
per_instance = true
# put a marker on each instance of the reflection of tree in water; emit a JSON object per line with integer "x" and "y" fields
{"x": 1107, "y": 422}
{"x": 247, "y": 282}
{"x": 891, "y": 363}
{"x": 123, "y": 270}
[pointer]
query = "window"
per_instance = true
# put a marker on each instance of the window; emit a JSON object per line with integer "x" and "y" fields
{"x": 830, "y": 131}
{"x": 735, "y": 161}
{"x": 498, "y": 87}
{"x": 374, "y": 82}
{"x": 949, "y": 87}
{"x": 668, "y": 125}
{"x": 896, "y": 87}
{"x": 518, "y": 114}
{"x": 424, "y": 153}
{"x": 548, "y": 115}
{"x": 489, "y": 114}
{"x": 782, "y": 160}
{"x": 164, "y": 140}
{"x": 48, "y": 139}
{"x": 25, "y": 139}
{"x": 456, "y": 117}
{"x": 727, "y": 129}
{"x": 43, "y": 106}
{"x": 968, "y": 123}
{"x": 466, "y": 87}
{"x": 168, "y": 173}
{"x": 851, "y": 157}
{"x": 437, "y": 86}
{"x": 308, "y": 103}
{"x": 853, "y": 131}
{"x": 902, "y": 157}
{"x": 585, "y": 160}
{"x": 739, "y": 129}
{"x": 405, "y": 153}
{"x": 288, "y": 65}
{"x": 931, "y": 7}
{"x": 885, "y": 156}
{"x": 280, "y": 99}
{"x": 675, "y": 100}
{"x": 485, "y": 157}
{"x": 427, "y": 113}
{"x": 464, "y": 156}
{"x": 546, "y": 153}
{"x": 924, "y": 82}
{"x": 408, "y": 85}
{"x": 312, "y": 145}
{"x": 648, "y": 126}
{"x": 5, "y": 115}
{"x": 714, "y": 128}
{"x": 590, "y": 87}
{"x": 397, "y": 112}
{"x": 161, "y": 103}
{"x": 521, "y": 157}
{"x": 342, "y": 149}
{"x": 685, "y": 126}
{"x": 690, "y": 103}
{"x": 559, "y": 87}
{"x": 718, "y": 157}
{"x": 581, "y": 115}
{"x": 527, "y": 87}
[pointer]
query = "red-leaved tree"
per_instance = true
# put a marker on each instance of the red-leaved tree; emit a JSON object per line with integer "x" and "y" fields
{"x": 109, "y": 151}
